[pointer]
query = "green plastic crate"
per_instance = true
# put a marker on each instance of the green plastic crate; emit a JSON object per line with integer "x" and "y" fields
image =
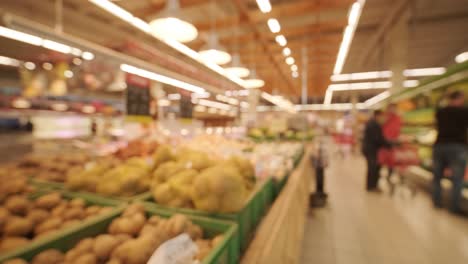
{"x": 247, "y": 218}
{"x": 225, "y": 253}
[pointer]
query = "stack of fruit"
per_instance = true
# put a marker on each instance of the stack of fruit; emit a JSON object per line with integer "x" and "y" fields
{"x": 23, "y": 220}
{"x": 131, "y": 239}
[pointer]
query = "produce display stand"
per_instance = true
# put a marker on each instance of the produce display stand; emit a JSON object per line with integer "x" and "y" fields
{"x": 225, "y": 253}
{"x": 247, "y": 218}
{"x": 278, "y": 184}
{"x": 43, "y": 242}
{"x": 278, "y": 238}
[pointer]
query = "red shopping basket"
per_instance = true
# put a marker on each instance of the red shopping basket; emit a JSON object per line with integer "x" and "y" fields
{"x": 401, "y": 156}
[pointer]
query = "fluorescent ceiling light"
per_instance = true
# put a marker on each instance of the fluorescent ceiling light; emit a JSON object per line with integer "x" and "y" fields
{"x": 329, "y": 107}
{"x": 462, "y": 57}
{"x": 161, "y": 78}
{"x": 88, "y": 109}
{"x": 328, "y": 97}
{"x": 378, "y": 98}
{"x": 236, "y": 68}
{"x": 214, "y": 104}
{"x": 49, "y": 44}
{"x": 214, "y": 52}
{"x": 290, "y": 60}
{"x": 237, "y": 93}
{"x": 361, "y": 76}
{"x": 164, "y": 102}
{"x": 200, "y": 95}
{"x": 68, "y": 74}
{"x": 173, "y": 28}
{"x": 145, "y": 27}
{"x": 294, "y": 68}
{"x": 359, "y": 86}
{"x": 274, "y": 25}
{"x": 30, "y": 65}
{"x": 410, "y": 83}
{"x": 279, "y": 101}
{"x": 286, "y": 51}
{"x": 254, "y": 83}
{"x": 88, "y": 55}
{"x": 9, "y": 61}
{"x": 77, "y": 61}
{"x": 21, "y": 103}
{"x": 295, "y": 74}
{"x": 59, "y": 107}
{"x": 20, "y": 36}
{"x": 47, "y": 66}
{"x": 281, "y": 40}
{"x": 424, "y": 72}
{"x": 264, "y": 5}
{"x": 244, "y": 105}
{"x": 353, "y": 20}
{"x": 174, "y": 97}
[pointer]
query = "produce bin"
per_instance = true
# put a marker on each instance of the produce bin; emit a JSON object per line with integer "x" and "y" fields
{"x": 227, "y": 252}
{"x": 247, "y": 218}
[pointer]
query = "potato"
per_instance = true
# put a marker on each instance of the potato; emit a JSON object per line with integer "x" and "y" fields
{"x": 85, "y": 246}
{"x": 50, "y": 256}
{"x": 92, "y": 210}
{"x": 10, "y": 243}
{"x": 134, "y": 251}
{"x": 114, "y": 261}
{"x": 69, "y": 223}
{"x": 15, "y": 261}
{"x": 37, "y": 216}
{"x": 127, "y": 225}
{"x": 154, "y": 220}
{"x": 17, "y": 204}
{"x": 77, "y": 202}
{"x": 60, "y": 209}
{"x": 71, "y": 255}
{"x": 49, "y": 201}
{"x": 49, "y": 224}
{"x": 87, "y": 258}
{"x": 18, "y": 226}
{"x": 4, "y": 214}
{"x": 204, "y": 248}
{"x": 74, "y": 213}
{"x": 195, "y": 232}
{"x": 14, "y": 186}
{"x": 133, "y": 209}
{"x": 122, "y": 238}
{"x": 104, "y": 245}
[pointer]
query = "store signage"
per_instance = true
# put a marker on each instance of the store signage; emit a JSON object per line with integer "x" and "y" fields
{"x": 186, "y": 107}
{"x": 138, "y": 96}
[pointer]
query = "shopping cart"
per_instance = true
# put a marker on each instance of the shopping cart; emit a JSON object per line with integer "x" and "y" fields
{"x": 345, "y": 143}
{"x": 398, "y": 159}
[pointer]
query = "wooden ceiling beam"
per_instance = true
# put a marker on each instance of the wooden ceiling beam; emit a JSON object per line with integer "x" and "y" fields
{"x": 156, "y": 6}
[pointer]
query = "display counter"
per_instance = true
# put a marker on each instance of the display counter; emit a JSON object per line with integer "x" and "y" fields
{"x": 279, "y": 236}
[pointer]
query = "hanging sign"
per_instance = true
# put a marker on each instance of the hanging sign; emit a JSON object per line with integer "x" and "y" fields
{"x": 138, "y": 97}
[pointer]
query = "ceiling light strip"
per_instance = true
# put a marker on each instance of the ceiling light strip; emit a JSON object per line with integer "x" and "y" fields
{"x": 274, "y": 25}
{"x": 161, "y": 78}
{"x": 214, "y": 104}
{"x": 9, "y": 61}
{"x": 376, "y": 99}
{"x": 145, "y": 27}
{"x": 264, "y": 5}
{"x": 353, "y": 20}
{"x": 462, "y": 57}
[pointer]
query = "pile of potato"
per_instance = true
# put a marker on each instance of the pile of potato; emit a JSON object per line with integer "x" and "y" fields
{"x": 22, "y": 219}
{"x": 131, "y": 239}
{"x": 49, "y": 168}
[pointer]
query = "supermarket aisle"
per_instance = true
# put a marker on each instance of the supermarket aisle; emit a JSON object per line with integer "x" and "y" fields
{"x": 359, "y": 227}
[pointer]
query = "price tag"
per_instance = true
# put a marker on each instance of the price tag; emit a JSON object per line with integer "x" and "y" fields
{"x": 179, "y": 250}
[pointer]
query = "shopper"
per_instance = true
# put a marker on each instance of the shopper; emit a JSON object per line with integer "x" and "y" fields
{"x": 391, "y": 130}
{"x": 372, "y": 142}
{"x": 450, "y": 149}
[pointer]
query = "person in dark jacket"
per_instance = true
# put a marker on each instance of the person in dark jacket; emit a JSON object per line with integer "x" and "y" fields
{"x": 450, "y": 150}
{"x": 372, "y": 142}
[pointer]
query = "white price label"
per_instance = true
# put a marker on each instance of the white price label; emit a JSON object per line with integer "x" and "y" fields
{"x": 179, "y": 250}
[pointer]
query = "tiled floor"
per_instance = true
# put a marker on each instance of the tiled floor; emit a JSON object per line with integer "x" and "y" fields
{"x": 370, "y": 228}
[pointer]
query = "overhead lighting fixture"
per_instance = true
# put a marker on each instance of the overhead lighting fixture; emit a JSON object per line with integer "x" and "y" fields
{"x": 20, "y": 36}
{"x": 295, "y": 74}
{"x": 9, "y": 61}
{"x": 164, "y": 103}
{"x": 254, "y": 82}
{"x": 214, "y": 52}
{"x": 59, "y": 107}
{"x": 49, "y": 44}
{"x": 199, "y": 108}
{"x": 462, "y": 57}
{"x": 294, "y": 68}
{"x": 281, "y": 40}
{"x": 200, "y": 95}
{"x": 286, "y": 52}
{"x": 361, "y": 76}
{"x": 174, "y": 97}
{"x": 47, "y": 66}
{"x": 376, "y": 99}
{"x": 424, "y": 72}
{"x": 236, "y": 68}
{"x": 279, "y": 101}
{"x": 77, "y": 61}
{"x": 214, "y": 104}
{"x": 30, "y": 65}
{"x": 353, "y": 20}
{"x": 68, "y": 74}
{"x": 330, "y": 107}
{"x": 168, "y": 26}
{"x": 264, "y": 5}
{"x": 274, "y": 25}
{"x": 88, "y": 109}
{"x": 21, "y": 103}
{"x": 87, "y": 55}
{"x": 290, "y": 60}
{"x": 244, "y": 105}
{"x": 145, "y": 27}
{"x": 161, "y": 78}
